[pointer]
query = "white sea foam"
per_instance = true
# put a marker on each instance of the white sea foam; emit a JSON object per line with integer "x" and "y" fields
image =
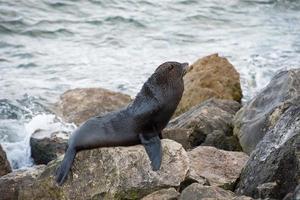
{"x": 49, "y": 123}
{"x": 18, "y": 149}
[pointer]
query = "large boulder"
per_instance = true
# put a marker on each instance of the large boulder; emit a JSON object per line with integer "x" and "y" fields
{"x": 4, "y": 164}
{"x": 78, "y": 105}
{"x": 163, "y": 194}
{"x": 13, "y": 185}
{"x": 46, "y": 147}
{"x": 113, "y": 173}
{"x": 220, "y": 168}
{"x": 197, "y": 192}
{"x": 261, "y": 114}
{"x": 211, "y": 76}
{"x": 273, "y": 169}
{"x": 209, "y": 123}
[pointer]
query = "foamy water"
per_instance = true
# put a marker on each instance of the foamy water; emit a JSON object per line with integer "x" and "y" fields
{"x": 18, "y": 149}
{"x": 48, "y": 47}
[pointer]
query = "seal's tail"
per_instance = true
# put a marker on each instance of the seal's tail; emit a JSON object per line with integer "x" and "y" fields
{"x": 63, "y": 171}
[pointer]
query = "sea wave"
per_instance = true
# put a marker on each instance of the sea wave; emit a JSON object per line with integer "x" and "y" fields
{"x": 27, "y": 65}
{"x": 5, "y": 29}
{"x": 120, "y": 19}
{"x": 48, "y": 33}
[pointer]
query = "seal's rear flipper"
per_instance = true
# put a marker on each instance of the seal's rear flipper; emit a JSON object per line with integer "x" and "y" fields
{"x": 63, "y": 171}
{"x": 153, "y": 149}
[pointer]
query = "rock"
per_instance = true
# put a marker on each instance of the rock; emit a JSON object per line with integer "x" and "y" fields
{"x": 78, "y": 105}
{"x": 209, "y": 123}
{"x": 265, "y": 190}
{"x": 49, "y": 139}
{"x": 197, "y": 192}
{"x": 4, "y": 164}
{"x": 113, "y": 173}
{"x": 163, "y": 194}
{"x": 220, "y": 168}
{"x": 12, "y": 185}
{"x": 45, "y": 147}
{"x": 206, "y": 80}
{"x": 273, "y": 169}
{"x": 180, "y": 135}
{"x": 243, "y": 198}
{"x": 261, "y": 114}
{"x": 293, "y": 195}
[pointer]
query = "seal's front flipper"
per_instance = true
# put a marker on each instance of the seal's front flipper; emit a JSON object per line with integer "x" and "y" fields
{"x": 153, "y": 149}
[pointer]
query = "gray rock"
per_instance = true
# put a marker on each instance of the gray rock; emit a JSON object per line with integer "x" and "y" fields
{"x": 273, "y": 169}
{"x": 12, "y": 185}
{"x": 180, "y": 135}
{"x": 4, "y": 164}
{"x": 209, "y": 123}
{"x": 163, "y": 194}
{"x": 45, "y": 147}
{"x": 78, "y": 105}
{"x": 220, "y": 168}
{"x": 266, "y": 190}
{"x": 261, "y": 114}
{"x": 113, "y": 173}
{"x": 295, "y": 195}
{"x": 197, "y": 192}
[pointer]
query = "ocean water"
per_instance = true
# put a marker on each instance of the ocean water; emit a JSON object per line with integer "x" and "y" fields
{"x": 50, "y": 46}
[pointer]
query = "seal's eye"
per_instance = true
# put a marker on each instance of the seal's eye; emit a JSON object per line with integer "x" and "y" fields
{"x": 170, "y": 67}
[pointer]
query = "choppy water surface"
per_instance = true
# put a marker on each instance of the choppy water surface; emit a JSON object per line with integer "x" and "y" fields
{"x": 47, "y": 47}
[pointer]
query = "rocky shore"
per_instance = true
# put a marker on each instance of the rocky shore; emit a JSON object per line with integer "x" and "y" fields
{"x": 213, "y": 148}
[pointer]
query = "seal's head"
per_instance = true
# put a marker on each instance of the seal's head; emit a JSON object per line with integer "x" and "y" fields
{"x": 170, "y": 75}
{"x": 174, "y": 69}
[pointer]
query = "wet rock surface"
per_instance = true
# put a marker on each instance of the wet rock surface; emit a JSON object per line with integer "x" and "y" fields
{"x": 78, "y": 105}
{"x": 220, "y": 168}
{"x": 274, "y": 166}
{"x": 46, "y": 147}
{"x": 4, "y": 164}
{"x": 209, "y": 123}
{"x": 261, "y": 114}
{"x": 113, "y": 173}
{"x": 206, "y": 80}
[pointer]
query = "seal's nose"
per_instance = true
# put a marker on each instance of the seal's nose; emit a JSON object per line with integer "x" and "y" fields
{"x": 185, "y": 67}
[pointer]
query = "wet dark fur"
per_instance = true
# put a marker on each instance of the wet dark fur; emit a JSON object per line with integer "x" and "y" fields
{"x": 147, "y": 115}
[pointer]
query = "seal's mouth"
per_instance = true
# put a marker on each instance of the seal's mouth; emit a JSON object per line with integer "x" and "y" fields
{"x": 185, "y": 67}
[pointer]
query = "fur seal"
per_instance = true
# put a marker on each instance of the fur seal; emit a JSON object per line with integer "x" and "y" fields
{"x": 141, "y": 122}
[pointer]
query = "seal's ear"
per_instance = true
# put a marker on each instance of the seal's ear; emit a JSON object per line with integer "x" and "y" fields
{"x": 170, "y": 67}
